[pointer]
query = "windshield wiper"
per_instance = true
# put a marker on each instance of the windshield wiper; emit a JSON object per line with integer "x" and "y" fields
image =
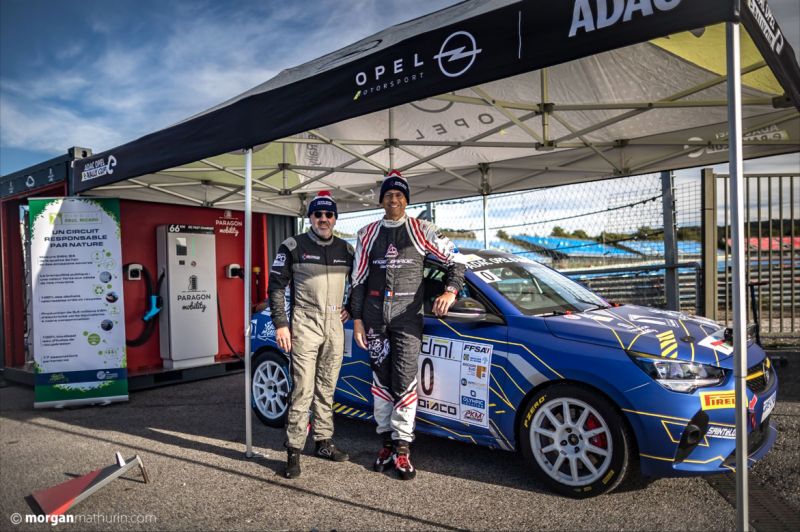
{"x": 597, "y": 307}
{"x": 557, "y": 313}
{"x": 594, "y": 305}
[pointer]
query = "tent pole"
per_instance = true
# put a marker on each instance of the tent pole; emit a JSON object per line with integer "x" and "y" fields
{"x": 485, "y": 222}
{"x": 391, "y": 138}
{"x": 485, "y": 190}
{"x": 739, "y": 270}
{"x": 545, "y": 113}
{"x": 248, "y": 223}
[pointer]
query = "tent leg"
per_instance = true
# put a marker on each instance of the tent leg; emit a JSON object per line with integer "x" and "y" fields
{"x": 739, "y": 270}
{"x": 485, "y": 222}
{"x": 248, "y": 223}
{"x": 486, "y": 189}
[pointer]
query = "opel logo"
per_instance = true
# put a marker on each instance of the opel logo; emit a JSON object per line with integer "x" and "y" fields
{"x": 463, "y": 48}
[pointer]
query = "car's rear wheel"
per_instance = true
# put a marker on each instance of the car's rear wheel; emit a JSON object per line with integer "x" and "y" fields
{"x": 271, "y": 388}
{"x": 575, "y": 440}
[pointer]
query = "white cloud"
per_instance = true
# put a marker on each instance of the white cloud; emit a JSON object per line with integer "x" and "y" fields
{"x": 199, "y": 56}
{"x": 50, "y": 129}
{"x": 195, "y": 56}
{"x": 70, "y": 51}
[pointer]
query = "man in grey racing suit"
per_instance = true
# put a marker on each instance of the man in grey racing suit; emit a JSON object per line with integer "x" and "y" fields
{"x": 387, "y": 307}
{"x": 316, "y": 264}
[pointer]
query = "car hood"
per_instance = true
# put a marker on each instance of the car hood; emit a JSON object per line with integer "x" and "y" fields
{"x": 664, "y": 333}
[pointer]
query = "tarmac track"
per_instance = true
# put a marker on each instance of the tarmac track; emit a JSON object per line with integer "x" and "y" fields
{"x": 191, "y": 440}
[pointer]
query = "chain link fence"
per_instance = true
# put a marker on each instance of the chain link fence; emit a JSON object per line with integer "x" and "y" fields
{"x": 609, "y": 236}
{"x": 605, "y": 223}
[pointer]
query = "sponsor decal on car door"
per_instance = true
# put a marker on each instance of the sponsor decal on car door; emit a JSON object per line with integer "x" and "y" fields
{"x": 454, "y": 379}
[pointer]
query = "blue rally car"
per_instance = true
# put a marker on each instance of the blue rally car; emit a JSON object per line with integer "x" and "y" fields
{"x": 529, "y": 360}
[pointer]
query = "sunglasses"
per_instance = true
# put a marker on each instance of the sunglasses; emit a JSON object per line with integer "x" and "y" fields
{"x": 327, "y": 214}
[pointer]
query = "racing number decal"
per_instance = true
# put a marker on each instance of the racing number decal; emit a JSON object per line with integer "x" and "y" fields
{"x": 454, "y": 379}
{"x": 487, "y": 276}
{"x": 425, "y": 372}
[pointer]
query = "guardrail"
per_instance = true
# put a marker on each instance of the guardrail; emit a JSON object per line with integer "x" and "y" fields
{"x": 637, "y": 284}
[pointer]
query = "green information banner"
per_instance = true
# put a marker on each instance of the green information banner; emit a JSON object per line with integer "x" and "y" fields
{"x": 78, "y": 309}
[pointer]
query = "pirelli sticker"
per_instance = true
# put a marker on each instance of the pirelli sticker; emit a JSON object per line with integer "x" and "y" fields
{"x": 717, "y": 400}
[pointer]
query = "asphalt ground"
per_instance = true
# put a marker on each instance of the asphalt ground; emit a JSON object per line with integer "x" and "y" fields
{"x": 191, "y": 436}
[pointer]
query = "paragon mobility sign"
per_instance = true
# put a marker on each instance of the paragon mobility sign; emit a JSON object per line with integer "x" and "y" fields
{"x": 78, "y": 309}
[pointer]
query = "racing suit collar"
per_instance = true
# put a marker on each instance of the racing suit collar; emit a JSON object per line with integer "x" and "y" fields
{"x": 317, "y": 240}
{"x": 394, "y": 223}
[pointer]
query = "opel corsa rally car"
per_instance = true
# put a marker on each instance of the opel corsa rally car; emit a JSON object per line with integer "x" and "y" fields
{"x": 529, "y": 360}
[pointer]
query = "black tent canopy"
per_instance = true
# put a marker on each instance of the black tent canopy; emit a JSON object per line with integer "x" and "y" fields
{"x": 490, "y": 96}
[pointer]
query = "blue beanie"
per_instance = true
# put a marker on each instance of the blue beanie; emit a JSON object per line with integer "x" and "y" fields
{"x": 394, "y": 180}
{"x": 322, "y": 202}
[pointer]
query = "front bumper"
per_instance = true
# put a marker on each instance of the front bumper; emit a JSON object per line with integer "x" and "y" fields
{"x": 697, "y": 434}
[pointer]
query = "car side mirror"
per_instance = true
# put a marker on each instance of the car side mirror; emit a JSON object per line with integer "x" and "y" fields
{"x": 467, "y": 309}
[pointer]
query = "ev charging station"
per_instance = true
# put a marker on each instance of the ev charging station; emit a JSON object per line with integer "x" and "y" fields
{"x": 188, "y": 320}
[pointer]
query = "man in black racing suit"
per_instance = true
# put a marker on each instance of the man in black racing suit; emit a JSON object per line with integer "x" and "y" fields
{"x": 387, "y": 307}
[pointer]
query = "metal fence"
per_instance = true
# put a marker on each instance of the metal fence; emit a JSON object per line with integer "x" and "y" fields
{"x": 772, "y": 236}
{"x": 605, "y": 223}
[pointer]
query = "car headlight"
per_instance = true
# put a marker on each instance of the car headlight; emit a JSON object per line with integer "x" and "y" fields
{"x": 679, "y": 375}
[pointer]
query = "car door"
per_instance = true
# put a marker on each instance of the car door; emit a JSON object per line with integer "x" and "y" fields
{"x": 353, "y": 396}
{"x": 455, "y": 368}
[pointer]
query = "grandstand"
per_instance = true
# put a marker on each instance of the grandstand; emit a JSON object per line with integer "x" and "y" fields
{"x": 502, "y": 245}
{"x": 655, "y": 248}
{"x": 564, "y": 248}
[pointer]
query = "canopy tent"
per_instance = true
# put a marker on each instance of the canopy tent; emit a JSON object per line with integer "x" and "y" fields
{"x": 480, "y": 97}
{"x": 490, "y": 96}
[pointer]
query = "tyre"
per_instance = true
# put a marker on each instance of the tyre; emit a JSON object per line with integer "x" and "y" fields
{"x": 271, "y": 388}
{"x": 576, "y": 442}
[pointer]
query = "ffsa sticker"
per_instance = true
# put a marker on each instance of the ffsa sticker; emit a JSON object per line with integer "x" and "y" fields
{"x": 454, "y": 379}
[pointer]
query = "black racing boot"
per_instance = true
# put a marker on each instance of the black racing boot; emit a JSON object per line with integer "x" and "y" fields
{"x": 326, "y": 449}
{"x": 385, "y": 456}
{"x": 402, "y": 460}
{"x": 292, "y": 463}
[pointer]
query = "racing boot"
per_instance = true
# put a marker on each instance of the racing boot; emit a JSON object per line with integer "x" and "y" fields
{"x": 326, "y": 449}
{"x": 292, "y": 463}
{"x": 385, "y": 458}
{"x": 402, "y": 460}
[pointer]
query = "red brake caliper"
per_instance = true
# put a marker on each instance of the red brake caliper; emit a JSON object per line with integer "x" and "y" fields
{"x": 599, "y": 440}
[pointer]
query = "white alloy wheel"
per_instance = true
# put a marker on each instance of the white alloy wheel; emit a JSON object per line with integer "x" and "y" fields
{"x": 271, "y": 390}
{"x": 571, "y": 441}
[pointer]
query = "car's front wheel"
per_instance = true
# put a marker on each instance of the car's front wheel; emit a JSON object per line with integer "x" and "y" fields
{"x": 271, "y": 388}
{"x": 575, "y": 440}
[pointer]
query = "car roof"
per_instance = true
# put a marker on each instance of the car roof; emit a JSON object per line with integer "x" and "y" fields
{"x": 485, "y": 252}
{"x": 481, "y": 253}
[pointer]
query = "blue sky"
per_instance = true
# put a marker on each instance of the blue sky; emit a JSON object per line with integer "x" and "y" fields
{"x": 97, "y": 73}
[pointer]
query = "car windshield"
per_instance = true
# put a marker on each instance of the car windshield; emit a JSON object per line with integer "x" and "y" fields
{"x": 537, "y": 290}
